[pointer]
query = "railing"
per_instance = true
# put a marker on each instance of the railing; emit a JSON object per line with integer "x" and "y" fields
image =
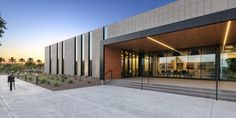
{"x": 108, "y": 72}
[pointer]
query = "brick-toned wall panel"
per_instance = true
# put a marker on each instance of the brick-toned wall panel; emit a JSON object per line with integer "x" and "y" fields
{"x": 112, "y": 62}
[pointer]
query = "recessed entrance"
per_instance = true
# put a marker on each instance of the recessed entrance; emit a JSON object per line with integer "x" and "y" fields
{"x": 190, "y": 54}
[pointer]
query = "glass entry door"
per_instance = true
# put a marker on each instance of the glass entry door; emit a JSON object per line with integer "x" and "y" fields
{"x": 129, "y": 63}
{"x": 135, "y": 64}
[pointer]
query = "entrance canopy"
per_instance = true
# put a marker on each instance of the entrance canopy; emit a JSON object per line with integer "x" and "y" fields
{"x": 208, "y": 35}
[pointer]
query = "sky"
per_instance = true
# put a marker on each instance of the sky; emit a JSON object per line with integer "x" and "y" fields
{"x": 34, "y": 24}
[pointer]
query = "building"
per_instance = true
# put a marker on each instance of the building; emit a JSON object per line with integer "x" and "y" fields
{"x": 190, "y": 39}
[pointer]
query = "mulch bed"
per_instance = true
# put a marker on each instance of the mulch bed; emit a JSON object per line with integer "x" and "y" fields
{"x": 77, "y": 83}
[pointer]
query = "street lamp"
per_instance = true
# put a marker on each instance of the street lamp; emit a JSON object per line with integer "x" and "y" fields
{"x": 18, "y": 74}
{"x": 25, "y": 76}
{"x": 37, "y": 78}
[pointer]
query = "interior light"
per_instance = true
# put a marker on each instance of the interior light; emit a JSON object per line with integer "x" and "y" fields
{"x": 227, "y": 51}
{"x": 229, "y": 46}
{"x": 226, "y": 34}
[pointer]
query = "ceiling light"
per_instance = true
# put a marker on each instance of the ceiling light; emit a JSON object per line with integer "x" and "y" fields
{"x": 160, "y": 43}
{"x": 163, "y": 44}
{"x": 226, "y": 34}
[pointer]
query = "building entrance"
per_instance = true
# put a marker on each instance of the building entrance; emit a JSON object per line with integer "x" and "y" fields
{"x": 135, "y": 64}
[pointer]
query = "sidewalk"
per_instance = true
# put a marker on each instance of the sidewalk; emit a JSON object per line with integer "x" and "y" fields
{"x": 22, "y": 88}
{"x": 107, "y": 102}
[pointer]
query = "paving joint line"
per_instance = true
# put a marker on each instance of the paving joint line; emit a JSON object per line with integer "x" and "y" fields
{"x": 212, "y": 108}
{"x": 9, "y": 111}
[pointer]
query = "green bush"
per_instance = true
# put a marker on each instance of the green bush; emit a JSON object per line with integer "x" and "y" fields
{"x": 42, "y": 81}
{"x": 62, "y": 80}
{"x": 56, "y": 84}
{"x": 30, "y": 78}
{"x": 48, "y": 82}
{"x": 70, "y": 82}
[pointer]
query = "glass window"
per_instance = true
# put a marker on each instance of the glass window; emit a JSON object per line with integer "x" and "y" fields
{"x": 193, "y": 65}
{"x": 208, "y": 63}
{"x": 83, "y": 47}
{"x": 228, "y": 63}
{"x": 170, "y": 64}
{"x": 90, "y": 52}
{"x": 181, "y": 64}
{"x": 105, "y": 32}
{"x": 161, "y": 64}
{"x": 82, "y": 55}
{"x": 91, "y": 45}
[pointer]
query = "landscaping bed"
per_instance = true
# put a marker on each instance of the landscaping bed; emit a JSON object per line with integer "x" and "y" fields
{"x": 59, "y": 82}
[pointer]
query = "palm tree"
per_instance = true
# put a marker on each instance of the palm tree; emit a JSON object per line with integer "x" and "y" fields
{"x": 30, "y": 63}
{"x": 30, "y": 60}
{"x": 2, "y": 26}
{"x": 38, "y": 62}
{"x": 21, "y": 60}
{"x": 12, "y": 60}
{"x": 1, "y": 60}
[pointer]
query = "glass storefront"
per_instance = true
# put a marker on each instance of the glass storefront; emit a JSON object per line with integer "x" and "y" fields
{"x": 228, "y": 62}
{"x": 196, "y": 63}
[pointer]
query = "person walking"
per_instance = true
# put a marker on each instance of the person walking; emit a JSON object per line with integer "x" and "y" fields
{"x": 11, "y": 81}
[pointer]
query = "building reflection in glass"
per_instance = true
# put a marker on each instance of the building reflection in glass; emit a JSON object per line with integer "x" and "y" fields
{"x": 228, "y": 63}
{"x": 195, "y": 63}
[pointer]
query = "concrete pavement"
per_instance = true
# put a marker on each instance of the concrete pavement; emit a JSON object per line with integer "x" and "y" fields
{"x": 107, "y": 102}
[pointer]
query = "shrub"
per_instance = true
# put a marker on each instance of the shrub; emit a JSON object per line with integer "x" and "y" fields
{"x": 62, "y": 80}
{"x": 42, "y": 81}
{"x": 48, "y": 82}
{"x": 30, "y": 78}
{"x": 70, "y": 82}
{"x": 56, "y": 84}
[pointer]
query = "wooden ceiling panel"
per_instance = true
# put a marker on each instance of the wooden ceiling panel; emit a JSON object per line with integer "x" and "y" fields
{"x": 195, "y": 37}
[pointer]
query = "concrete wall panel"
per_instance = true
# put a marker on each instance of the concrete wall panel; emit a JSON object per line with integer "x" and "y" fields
{"x": 200, "y": 7}
{"x": 47, "y": 60}
{"x": 207, "y": 6}
{"x": 231, "y": 4}
{"x": 69, "y": 66}
{"x": 54, "y": 59}
{"x": 86, "y": 56}
{"x": 60, "y": 54}
{"x": 79, "y": 58}
{"x": 97, "y": 37}
{"x": 170, "y": 13}
{"x": 219, "y": 5}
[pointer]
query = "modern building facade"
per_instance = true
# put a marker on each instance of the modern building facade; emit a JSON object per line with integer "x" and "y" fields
{"x": 189, "y": 39}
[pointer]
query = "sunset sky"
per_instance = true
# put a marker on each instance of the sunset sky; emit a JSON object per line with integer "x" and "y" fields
{"x": 34, "y": 24}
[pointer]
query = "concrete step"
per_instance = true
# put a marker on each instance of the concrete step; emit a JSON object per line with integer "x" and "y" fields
{"x": 171, "y": 90}
{"x": 190, "y": 91}
{"x": 167, "y": 86}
